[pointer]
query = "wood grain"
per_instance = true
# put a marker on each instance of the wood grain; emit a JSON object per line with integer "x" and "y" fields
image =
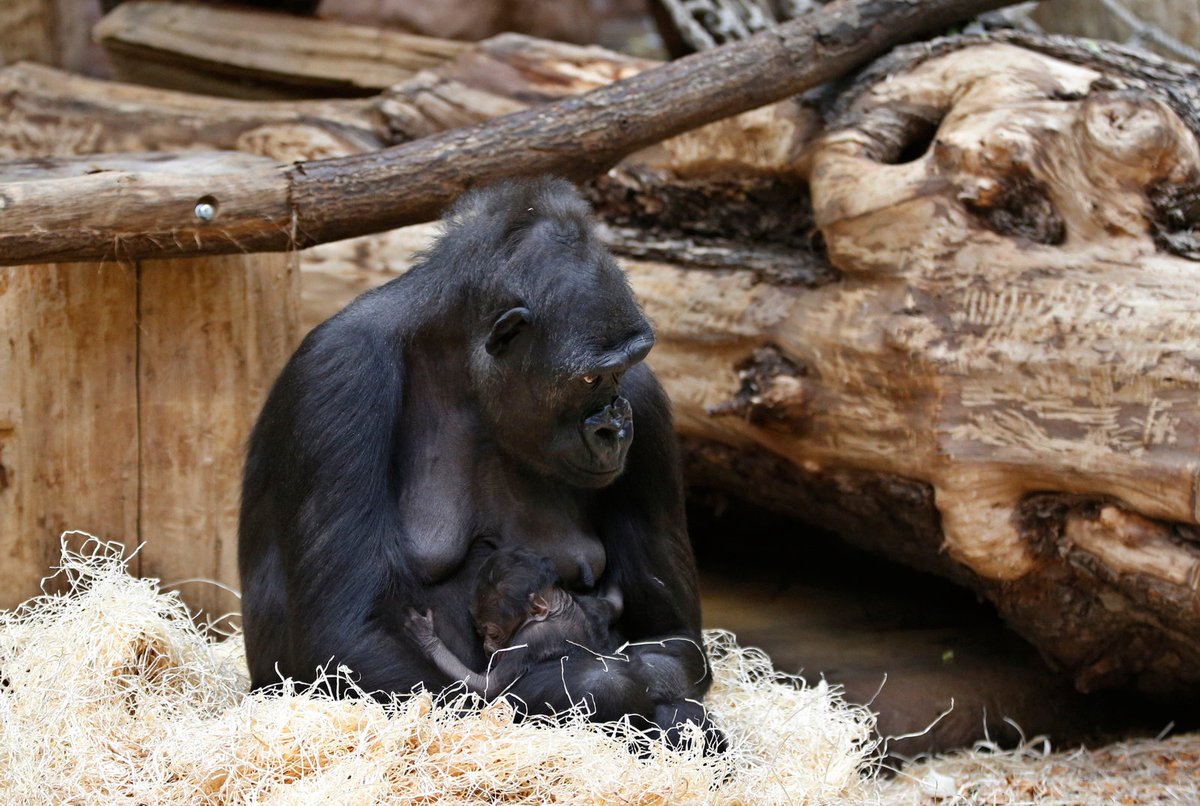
{"x": 576, "y": 137}
{"x": 243, "y": 53}
{"x": 213, "y": 334}
{"x": 127, "y": 206}
{"x": 47, "y": 112}
{"x": 68, "y": 414}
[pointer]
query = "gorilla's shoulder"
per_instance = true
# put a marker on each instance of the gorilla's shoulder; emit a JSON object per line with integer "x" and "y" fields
{"x": 369, "y": 322}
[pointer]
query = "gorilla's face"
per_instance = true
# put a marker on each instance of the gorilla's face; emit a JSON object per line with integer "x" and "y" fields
{"x": 553, "y": 391}
{"x": 594, "y": 429}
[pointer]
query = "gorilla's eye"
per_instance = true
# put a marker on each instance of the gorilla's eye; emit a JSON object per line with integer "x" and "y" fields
{"x": 590, "y": 380}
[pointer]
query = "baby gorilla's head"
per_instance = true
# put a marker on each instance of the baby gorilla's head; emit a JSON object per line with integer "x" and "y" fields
{"x": 513, "y": 589}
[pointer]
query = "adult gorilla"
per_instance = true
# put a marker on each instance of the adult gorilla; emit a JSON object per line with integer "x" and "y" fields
{"x": 486, "y": 395}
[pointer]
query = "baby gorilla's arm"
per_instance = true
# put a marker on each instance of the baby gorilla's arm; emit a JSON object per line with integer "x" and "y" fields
{"x": 420, "y": 627}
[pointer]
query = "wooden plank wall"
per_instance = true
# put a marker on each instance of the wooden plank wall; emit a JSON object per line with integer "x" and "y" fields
{"x": 126, "y": 396}
{"x": 68, "y": 413}
{"x": 213, "y": 334}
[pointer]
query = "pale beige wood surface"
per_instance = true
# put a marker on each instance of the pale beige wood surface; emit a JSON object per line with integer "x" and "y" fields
{"x": 244, "y": 53}
{"x": 212, "y": 335}
{"x": 28, "y": 31}
{"x": 68, "y": 414}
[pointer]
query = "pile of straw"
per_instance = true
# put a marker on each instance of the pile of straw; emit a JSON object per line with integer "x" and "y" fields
{"x": 1135, "y": 772}
{"x": 109, "y": 692}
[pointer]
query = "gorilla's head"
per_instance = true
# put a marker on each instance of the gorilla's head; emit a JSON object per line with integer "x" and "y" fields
{"x": 555, "y": 329}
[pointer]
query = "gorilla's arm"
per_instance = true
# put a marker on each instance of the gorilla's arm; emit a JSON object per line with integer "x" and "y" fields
{"x": 420, "y": 627}
{"x": 644, "y": 528}
{"x": 320, "y": 511}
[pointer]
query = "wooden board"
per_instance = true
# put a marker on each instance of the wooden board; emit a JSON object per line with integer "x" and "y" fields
{"x": 213, "y": 334}
{"x": 68, "y": 413}
{"x": 126, "y": 396}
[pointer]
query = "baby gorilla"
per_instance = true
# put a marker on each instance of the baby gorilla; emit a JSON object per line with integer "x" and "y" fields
{"x": 545, "y": 643}
{"x": 552, "y": 649}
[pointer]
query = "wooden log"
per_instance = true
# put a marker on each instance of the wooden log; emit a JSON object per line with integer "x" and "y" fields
{"x": 243, "y": 53}
{"x": 47, "y": 112}
{"x": 1005, "y": 372}
{"x": 577, "y": 137}
{"x": 132, "y": 205}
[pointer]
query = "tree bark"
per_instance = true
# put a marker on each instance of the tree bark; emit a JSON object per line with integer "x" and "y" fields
{"x": 1001, "y": 385}
{"x": 577, "y": 137}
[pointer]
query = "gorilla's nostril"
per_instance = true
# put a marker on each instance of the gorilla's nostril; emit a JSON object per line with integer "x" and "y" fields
{"x": 608, "y": 431}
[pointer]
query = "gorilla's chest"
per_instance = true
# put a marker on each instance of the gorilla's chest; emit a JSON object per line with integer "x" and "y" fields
{"x": 555, "y": 528}
{"x": 451, "y": 496}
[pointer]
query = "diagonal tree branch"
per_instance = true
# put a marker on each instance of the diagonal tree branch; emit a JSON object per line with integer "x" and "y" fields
{"x": 87, "y": 209}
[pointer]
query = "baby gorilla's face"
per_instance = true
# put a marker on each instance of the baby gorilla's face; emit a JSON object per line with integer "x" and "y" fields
{"x": 498, "y": 621}
{"x": 497, "y": 636}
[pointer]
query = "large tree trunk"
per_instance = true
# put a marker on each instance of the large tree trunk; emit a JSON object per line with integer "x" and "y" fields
{"x": 1001, "y": 384}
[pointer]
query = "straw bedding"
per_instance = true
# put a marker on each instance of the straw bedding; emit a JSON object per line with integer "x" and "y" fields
{"x": 1135, "y": 772}
{"x": 109, "y": 692}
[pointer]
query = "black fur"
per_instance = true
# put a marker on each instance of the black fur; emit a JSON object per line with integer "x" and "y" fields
{"x": 451, "y": 405}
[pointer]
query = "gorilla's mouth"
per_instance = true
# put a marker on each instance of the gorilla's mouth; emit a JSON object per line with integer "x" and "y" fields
{"x": 592, "y": 476}
{"x": 591, "y": 471}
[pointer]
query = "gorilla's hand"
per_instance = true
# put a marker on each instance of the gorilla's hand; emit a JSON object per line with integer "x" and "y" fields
{"x": 419, "y": 627}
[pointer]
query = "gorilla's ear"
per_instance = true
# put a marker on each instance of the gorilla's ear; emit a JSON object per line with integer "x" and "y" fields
{"x": 506, "y": 328}
{"x": 539, "y": 608}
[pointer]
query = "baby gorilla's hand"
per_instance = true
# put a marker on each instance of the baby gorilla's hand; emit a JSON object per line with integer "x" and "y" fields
{"x": 420, "y": 629}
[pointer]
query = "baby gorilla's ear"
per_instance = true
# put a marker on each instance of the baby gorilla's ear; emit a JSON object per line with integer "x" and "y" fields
{"x": 539, "y": 608}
